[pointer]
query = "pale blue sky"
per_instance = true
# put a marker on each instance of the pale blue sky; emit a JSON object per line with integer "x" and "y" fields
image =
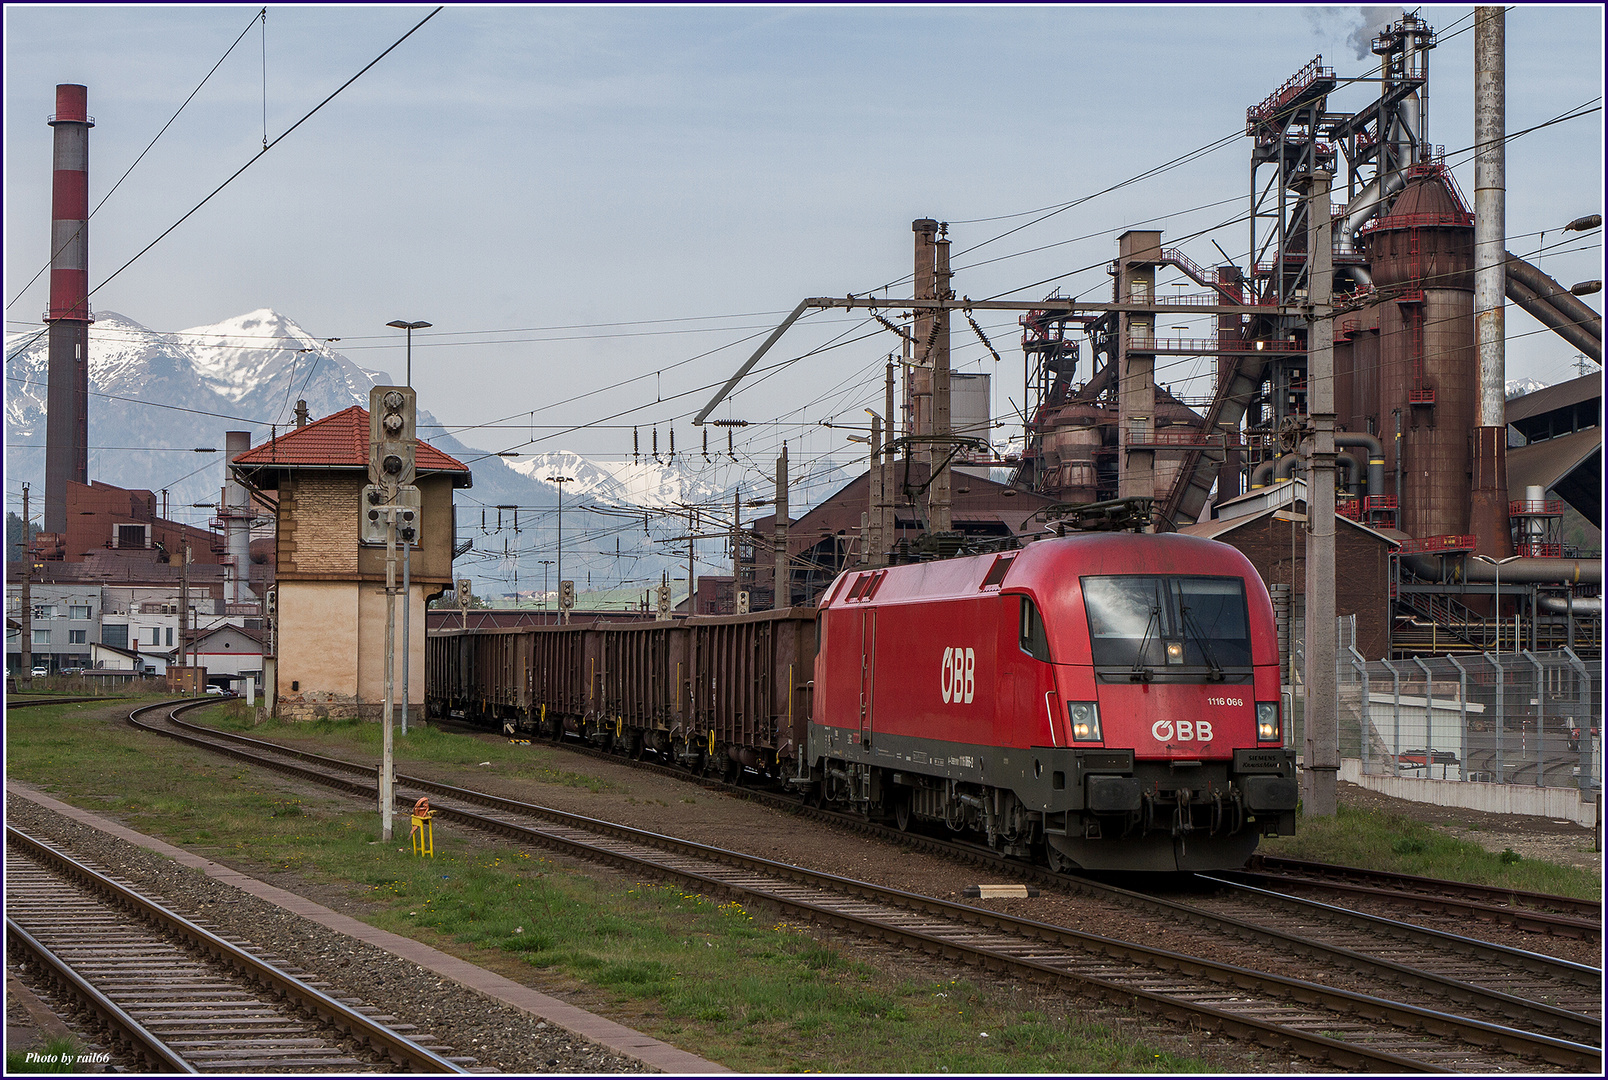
{"x": 510, "y": 168}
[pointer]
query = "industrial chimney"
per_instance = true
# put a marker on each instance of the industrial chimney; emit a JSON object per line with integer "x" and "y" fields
{"x": 67, "y": 396}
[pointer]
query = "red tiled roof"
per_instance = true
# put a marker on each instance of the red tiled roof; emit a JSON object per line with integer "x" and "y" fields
{"x": 340, "y": 440}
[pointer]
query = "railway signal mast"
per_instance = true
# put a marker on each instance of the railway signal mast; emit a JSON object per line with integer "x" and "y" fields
{"x": 391, "y": 508}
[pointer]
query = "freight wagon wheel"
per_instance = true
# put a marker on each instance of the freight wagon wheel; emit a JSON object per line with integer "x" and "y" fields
{"x": 732, "y": 773}
{"x": 634, "y": 748}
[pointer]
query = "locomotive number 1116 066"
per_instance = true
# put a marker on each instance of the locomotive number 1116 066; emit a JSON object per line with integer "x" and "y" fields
{"x": 1225, "y": 701}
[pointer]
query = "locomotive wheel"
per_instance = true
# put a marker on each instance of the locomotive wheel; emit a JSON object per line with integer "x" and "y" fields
{"x": 901, "y": 811}
{"x": 1058, "y": 863}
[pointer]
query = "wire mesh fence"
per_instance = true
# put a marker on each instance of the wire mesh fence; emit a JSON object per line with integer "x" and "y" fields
{"x": 1530, "y": 718}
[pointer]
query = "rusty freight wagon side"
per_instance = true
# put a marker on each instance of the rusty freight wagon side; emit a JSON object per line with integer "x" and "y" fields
{"x": 558, "y": 679}
{"x": 479, "y": 675}
{"x": 635, "y": 695}
{"x": 751, "y": 686}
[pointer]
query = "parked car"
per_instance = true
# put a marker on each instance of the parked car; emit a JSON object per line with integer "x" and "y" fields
{"x": 217, "y": 689}
{"x": 40, "y": 673}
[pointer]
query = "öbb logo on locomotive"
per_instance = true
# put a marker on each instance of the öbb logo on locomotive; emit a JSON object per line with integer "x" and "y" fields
{"x": 958, "y": 677}
{"x": 1186, "y": 730}
{"x": 1107, "y": 701}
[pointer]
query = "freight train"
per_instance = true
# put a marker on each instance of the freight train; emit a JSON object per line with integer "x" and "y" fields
{"x": 1105, "y": 701}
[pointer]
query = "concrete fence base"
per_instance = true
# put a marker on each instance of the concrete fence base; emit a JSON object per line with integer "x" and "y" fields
{"x": 1559, "y": 804}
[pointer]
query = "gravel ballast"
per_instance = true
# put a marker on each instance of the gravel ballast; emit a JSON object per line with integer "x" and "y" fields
{"x": 499, "y": 1036}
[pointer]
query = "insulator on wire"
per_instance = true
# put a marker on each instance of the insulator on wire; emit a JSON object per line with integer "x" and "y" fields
{"x": 636, "y": 447}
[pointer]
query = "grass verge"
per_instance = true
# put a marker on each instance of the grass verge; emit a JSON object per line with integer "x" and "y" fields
{"x": 59, "y": 1055}
{"x": 1385, "y": 841}
{"x": 734, "y": 985}
{"x": 358, "y": 740}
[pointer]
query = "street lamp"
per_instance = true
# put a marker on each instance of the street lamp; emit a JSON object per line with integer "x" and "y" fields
{"x": 1498, "y": 564}
{"x": 560, "y": 481}
{"x": 402, "y": 324}
{"x": 545, "y": 564}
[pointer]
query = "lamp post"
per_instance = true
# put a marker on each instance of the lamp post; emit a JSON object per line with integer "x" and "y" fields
{"x": 560, "y": 481}
{"x": 1498, "y": 564}
{"x": 403, "y": 324}
{"x": 545, "y": 564}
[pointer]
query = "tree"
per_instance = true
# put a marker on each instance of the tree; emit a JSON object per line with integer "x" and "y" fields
{"x": 14, "y": 536}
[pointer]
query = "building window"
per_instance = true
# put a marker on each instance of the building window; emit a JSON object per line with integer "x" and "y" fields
{"x": 156, "y": 631}
{"x": 41, "y": 637}
{"x": 80, "y": 611}
{"x": 78, "y": 637}
{"x": 115, "y": 635}
{"x": 170, "y": 629}
{"x": 44, "y": 611}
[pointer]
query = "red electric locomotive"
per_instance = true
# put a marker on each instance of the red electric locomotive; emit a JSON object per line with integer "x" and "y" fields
{"x": 1107, "y": 701}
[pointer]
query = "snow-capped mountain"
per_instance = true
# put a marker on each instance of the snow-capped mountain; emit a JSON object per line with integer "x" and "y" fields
{"x": 1520, "y": 387}
{"x": 646, "y": 484}
{"x": 155, "y": 396}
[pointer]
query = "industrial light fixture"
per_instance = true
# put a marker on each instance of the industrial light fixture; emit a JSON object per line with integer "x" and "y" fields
{"x": 403, "y": 324}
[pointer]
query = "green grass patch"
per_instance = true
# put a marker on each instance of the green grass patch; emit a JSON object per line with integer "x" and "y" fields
{"x": 738, "y": 986}
{"x": 361, "y": 740}
{"x": 1384, "y": 841}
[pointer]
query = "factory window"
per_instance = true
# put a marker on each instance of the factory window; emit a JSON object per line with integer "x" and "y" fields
{"x": 41, "y": 637}
{"x": 131, "y": 536}
{"x": 80, "y": 611}
{"x": 115, "y": 635}
{"x": 78, "y": 637}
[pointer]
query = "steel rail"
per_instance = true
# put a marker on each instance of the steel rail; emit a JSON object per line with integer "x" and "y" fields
{"x": 13, "y": 703}
{"x": 1456, "y": 895}
{"x": 1535, "y": 922}
{"x": 129, "y": 1032}
{"x": 1412, "y": 1018}
{"x": 1563, "y": 1022}
{"x": 384, "y": 1041}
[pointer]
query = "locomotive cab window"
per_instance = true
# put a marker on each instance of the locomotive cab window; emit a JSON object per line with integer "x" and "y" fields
{"x": 1032, "y": 638}
{"x": 1146, "y": 621}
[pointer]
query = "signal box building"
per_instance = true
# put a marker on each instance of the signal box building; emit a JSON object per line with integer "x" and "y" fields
{"x": 327, "y": 634}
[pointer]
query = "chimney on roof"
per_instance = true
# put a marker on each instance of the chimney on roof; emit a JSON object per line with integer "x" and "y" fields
{"x": 301, "y": 412}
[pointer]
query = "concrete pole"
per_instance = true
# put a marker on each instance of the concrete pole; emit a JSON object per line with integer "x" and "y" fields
{"x": 1322, "y": 750}
{"x": 184, "y": 610}
{"x": 692, "y": 582}
{"x": 736, "y": 546}
{"x": 1138, "y": 255}
{"x": 889, "y": 530}
{"x": 784, "y": 578}
{"x": 25, "y": 636}
{"x": 387, "y": 774}
{"x": 1488, "y": 509}
{"x": 407, "y": 629}
{"x": 940, "y": 501}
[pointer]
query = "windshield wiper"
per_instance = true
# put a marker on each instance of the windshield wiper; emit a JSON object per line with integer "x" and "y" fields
{"x": 1142, "y": 673}
{"x": 1192, "y": 628}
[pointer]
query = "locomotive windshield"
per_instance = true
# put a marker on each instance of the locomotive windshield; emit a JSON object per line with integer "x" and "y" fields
{"x": 1144, "y": 622}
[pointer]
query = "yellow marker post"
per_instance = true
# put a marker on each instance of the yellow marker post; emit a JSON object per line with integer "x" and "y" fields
{"x": 422, "y": 835}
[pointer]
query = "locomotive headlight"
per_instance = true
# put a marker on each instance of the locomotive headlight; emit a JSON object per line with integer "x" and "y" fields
{"x": 1175, "y": 652}
{"x": 1267, "y": 721}
{"x": 1085, "y": 721}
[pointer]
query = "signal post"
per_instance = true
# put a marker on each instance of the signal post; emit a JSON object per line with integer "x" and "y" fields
{"x": 391, "y": 505}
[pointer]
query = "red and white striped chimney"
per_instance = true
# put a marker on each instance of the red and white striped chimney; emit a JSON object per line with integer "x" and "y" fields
{"x": 67, "y": 396}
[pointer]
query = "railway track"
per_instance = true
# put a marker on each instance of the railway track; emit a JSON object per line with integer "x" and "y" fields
{"x": 1535, "y": 912}
{"x": 23, "y": 703}
{"x": 171, "y": 996}
{"x": 1345, "y": 1029}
